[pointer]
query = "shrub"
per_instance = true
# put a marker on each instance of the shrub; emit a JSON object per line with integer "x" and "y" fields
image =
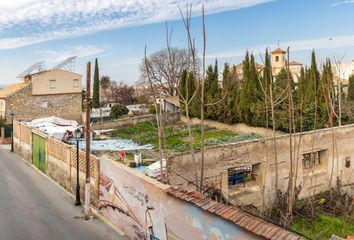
{"x": 152, "y": 109}
{"x": 118, "y": 111}
{"x": 2, "y": 122}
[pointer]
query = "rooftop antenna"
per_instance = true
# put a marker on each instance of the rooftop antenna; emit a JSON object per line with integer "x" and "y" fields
{"x": 68, "y": 64}
{"x": 278, "y": 43}
{"x": 38, "y": 65}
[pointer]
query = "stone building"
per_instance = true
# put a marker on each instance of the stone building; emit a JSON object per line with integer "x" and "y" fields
{"x": 278, "y": 61}
{"x": 54, "y": 92}
{"x": 241, "y": 169}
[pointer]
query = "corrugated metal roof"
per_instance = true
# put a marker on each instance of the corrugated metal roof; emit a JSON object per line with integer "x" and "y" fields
{"x": 238, "y": 217}
{"x": 11, "y": 89}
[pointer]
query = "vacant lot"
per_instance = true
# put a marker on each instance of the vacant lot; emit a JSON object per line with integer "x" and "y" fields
{"x": 176, "y": 136}
{"x": 324, "y": 226}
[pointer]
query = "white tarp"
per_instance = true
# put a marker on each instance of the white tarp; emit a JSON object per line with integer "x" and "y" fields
{"x": 115, "y": 145}
{"x": 54, "y": 126}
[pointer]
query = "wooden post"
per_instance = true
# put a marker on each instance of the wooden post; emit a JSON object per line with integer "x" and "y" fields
{"x": 88, "y": 135}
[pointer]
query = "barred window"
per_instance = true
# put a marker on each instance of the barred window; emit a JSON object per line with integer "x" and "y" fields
{"x": 311, "y": 160}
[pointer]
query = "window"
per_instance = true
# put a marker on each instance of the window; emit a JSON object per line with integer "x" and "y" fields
{"x": 311, "y": 160}
{"x": 76, "y": 83}
{"x": 52, "y": 84}
{"x": 240, "y": 175}
{"x": 277, "y": 58}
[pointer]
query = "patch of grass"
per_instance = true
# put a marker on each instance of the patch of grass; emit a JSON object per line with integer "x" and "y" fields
{"x": 177, "y": 136}
{"x": 324, "y": 227}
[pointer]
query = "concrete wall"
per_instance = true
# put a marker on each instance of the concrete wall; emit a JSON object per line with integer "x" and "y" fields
{"x": 129, "y": 121}
{"x": 25, "y": 106}
{"x": 64, "y": 82}
{"x": 60, "y": 160}
{"x": 134, "y": 203}
{"x": 261, "y": 155}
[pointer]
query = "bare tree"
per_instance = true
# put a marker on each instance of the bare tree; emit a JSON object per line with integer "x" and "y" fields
{"x": 338, "y": 60}
{"x": 166, "y": 67}
{"x": 201, "y": 78}
{"x": 122, "y": 93}
{"x": 186, "y": 98}
{"x": 158, "y": 115}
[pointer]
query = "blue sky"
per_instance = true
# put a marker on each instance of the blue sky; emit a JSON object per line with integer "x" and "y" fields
{"x": 116, "y": 31}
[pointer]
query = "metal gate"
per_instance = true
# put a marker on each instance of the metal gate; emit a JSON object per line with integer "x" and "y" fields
{"x": 39, "y": 152}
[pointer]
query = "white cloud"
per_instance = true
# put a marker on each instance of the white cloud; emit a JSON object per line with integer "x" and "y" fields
{"x": 81, "y": 51}
{"x": 296, "y": 45}
{"x": 341, "y": 3}
{"x": 25, "y": 22}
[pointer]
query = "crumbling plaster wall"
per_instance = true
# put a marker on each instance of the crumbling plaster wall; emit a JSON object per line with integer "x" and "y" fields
{"x": 260, "y": 153}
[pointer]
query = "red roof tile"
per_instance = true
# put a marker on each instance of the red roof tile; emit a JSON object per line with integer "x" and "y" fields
{"x": 232, "y": 214}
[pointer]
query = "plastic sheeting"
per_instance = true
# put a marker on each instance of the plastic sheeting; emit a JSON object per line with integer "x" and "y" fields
{"x": 153, "y": 170}
{"x": 115, "y": 145}
{"x": 54, "y": 126}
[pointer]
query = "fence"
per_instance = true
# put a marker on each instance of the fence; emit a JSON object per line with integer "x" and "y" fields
{"x": 60, "y": 160}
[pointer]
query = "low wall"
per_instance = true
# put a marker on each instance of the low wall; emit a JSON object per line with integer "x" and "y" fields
{"x": 60, "y": 160}
{"x": 236, "y": 128}
{"x": 129, "y": 121}
{"x": 141, "y": 207}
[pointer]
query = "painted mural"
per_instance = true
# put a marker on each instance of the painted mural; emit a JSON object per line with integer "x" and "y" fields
{"x": 140, "y": 207}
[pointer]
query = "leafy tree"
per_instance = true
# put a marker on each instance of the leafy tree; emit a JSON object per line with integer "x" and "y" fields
{"x": 105, "y": 82}
{"x": 351, "y": 89}
{"x": 96, "y": 87}
{"x": 118, "y": 110}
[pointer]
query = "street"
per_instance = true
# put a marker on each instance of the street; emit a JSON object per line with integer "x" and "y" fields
{"x": 32, "y": 207}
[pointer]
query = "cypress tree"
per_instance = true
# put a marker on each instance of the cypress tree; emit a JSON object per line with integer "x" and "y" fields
{"x": 227, "y": 109}
{"x": 212, "y": 91}
{"x": 255, "y": 97}
{"x": 96, "y": 87}
{"x": 187, "y": 88}
{"x": 244, "y": 106}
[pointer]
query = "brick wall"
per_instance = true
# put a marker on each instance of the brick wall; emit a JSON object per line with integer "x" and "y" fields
{"x": 25, "y": 106}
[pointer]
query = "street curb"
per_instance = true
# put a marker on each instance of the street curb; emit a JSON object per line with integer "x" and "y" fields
{"x": 94, "y": 211}
{"x": 106, "y": 221}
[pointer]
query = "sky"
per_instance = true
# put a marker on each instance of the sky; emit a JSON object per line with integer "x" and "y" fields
{"x": 117, "y": 31}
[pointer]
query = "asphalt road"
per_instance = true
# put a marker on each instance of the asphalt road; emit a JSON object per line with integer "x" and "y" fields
{"x": 32, "y": 207}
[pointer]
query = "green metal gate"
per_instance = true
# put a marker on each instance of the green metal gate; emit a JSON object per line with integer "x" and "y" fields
{"x": 39, "y": 152}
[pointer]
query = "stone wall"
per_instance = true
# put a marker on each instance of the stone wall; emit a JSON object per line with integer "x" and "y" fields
{"x": 238, "y": 128}
{"x": 129, "y": 121}
{"x": 261, "y": 155}
{"x": 25, "y": 106}
{"x": 60, "y": 160}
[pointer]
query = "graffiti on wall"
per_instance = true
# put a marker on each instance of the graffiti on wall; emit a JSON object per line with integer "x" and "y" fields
{"x": 141, "y": 208}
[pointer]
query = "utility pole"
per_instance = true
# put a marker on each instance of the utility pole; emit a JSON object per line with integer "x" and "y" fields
{"x": 88, "y": 136}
